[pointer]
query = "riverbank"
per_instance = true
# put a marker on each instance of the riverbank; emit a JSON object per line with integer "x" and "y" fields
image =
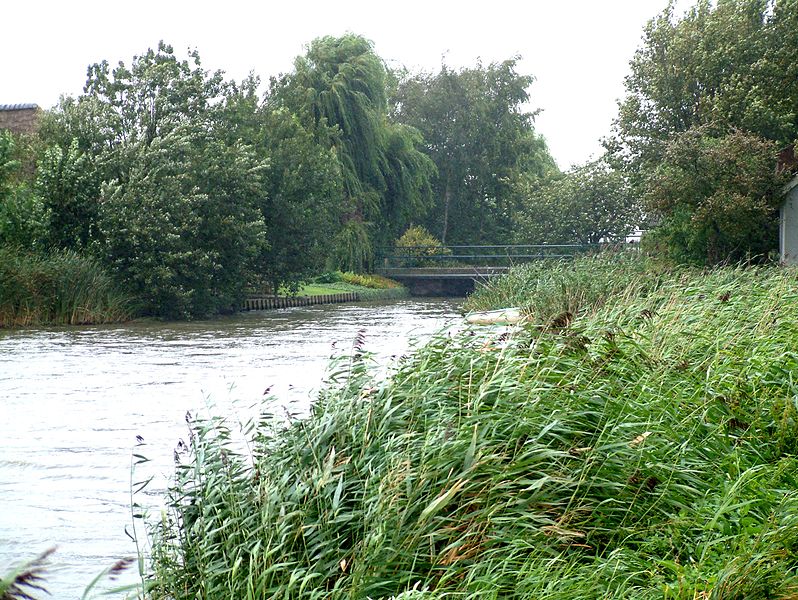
{"x": 332, "y": 292}
{"x": 364, "y": 293}
{"x": 639, "y": 443}
{"x": 368, "y": 287}
{"x": 74, "y": 400}
{"x": 62, "y": 287}
{"x": 58, "y": 288}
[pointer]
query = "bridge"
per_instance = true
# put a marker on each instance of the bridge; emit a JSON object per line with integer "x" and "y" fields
{"x": 455, "y": 270}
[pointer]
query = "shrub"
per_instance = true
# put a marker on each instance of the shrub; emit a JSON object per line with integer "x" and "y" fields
{"x": 717, "y": 197}
{"x": 369, "y": 280}
{"x": 419, "y": 248}
{"x": 328, "y": 277}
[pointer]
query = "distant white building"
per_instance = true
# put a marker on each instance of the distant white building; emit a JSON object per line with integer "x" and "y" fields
{"x": 788, "y": 224}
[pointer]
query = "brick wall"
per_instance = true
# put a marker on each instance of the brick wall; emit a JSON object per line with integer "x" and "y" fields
{"x": 21, "y": 120}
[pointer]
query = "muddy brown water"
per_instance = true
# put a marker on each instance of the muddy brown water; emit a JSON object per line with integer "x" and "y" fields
{"x": 73, "y": 400}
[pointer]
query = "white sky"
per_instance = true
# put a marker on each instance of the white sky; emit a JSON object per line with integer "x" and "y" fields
{"x": 578, "y": 50}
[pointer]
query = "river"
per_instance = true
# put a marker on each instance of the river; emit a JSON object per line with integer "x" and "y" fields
{"x": 74, "y": 400}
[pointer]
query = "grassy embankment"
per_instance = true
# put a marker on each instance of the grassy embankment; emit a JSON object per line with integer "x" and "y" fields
{"x": 637, "y": 439}
{"x": 61, "y": 288}
{"x": 369, "y": 287}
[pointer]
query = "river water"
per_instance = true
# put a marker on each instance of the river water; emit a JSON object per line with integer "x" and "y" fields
{"x": 74, "y": 400}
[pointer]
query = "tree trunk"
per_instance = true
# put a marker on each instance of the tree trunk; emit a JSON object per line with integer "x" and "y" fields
{"x": 446, "y": 199}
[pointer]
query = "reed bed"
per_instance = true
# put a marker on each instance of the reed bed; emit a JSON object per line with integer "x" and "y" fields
{"x": 646, "y": 448}
{"x": 547, "y": 289}
{"x": 59, "y": 288}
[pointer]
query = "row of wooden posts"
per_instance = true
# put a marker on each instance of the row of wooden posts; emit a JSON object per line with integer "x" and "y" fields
{"x": 271, "y": 302}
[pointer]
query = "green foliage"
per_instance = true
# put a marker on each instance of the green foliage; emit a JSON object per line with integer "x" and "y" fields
{"x": 24, "y": 219}
{"x": 369, "y": 280}
{"x": 586, "y": 205}
{"x": 183, "y": 230}
{"x": 57, "y": 288}
{"x": 328, "y": 277}
{"x": 417, "y": 246}
{"x": 352, "y": 248}
{"x": 302, "y": 202}
{"x": 68, "y": 183}
{"x": 717, "y": 198}
{"x": 552, "y": 290}
{"x": 338, "y": 89}
{"x": 366, "y": 288}
{"x": 481, "y": 138}
{"x": 727, "y": 64}
{"x": 723, "y": 71}
{"x": 645, "y": 450}
{"x": 142, "y": 170}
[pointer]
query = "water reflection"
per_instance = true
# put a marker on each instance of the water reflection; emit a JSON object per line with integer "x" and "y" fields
{"x": 72, "y": 402}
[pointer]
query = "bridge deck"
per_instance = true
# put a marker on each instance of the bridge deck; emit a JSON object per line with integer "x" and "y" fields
{"x": 441, "y": 272}
{"x": 455, "y": 270}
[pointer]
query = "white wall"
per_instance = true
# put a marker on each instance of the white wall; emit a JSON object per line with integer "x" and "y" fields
{"x": 788, "y": 225}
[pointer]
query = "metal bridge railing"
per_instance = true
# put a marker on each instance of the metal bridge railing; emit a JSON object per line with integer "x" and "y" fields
{"x": 481, "y": 255}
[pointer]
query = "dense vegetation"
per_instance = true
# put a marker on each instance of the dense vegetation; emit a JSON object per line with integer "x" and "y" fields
{"x": 188, "y": 189}
{"x": 480, "y": 135}
{"x": 711, "y": 98}
{"x": 57, "y": 288}
{"x": 643, "y": 446}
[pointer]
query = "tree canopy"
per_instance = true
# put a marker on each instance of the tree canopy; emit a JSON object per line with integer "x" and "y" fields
{"x": 480, "y": 135}
{"x": 338, "y": 89}
{"x": 727, "y": 72}
{"x": 587, "y": 205}
{"x": 140, "y": 168}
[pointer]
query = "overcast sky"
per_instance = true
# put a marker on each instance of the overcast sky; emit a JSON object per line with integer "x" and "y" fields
{"x": 578, "y": 50}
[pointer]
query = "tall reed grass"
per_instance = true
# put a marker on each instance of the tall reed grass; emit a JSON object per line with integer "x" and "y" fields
{"x": 645, "y": 449}
{"x": 59, "y": 288}
{"x": 547, "y": 289}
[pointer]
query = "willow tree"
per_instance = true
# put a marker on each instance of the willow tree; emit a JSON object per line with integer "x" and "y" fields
{"x": 339, "y": 89}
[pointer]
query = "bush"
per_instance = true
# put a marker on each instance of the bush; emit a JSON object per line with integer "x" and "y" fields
{"x": 419, "y": 248}
{"x": 24, "y": 219}
{"x": 328, "y": 277}
{"x": 369, "y": 280}
{"x": 717, "y": 197}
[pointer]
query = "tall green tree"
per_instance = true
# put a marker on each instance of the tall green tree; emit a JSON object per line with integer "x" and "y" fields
{"x": 730, "y": 64}
{"x": 338, "y": 90}
{"x": 719, "y": 77}
{"x": 302, "y": 200}
{"x": 586, "y": 205}
{"x": 183, "y": 230}
{"x": 175, "y": 210}
{"x": 481, "y": 137}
